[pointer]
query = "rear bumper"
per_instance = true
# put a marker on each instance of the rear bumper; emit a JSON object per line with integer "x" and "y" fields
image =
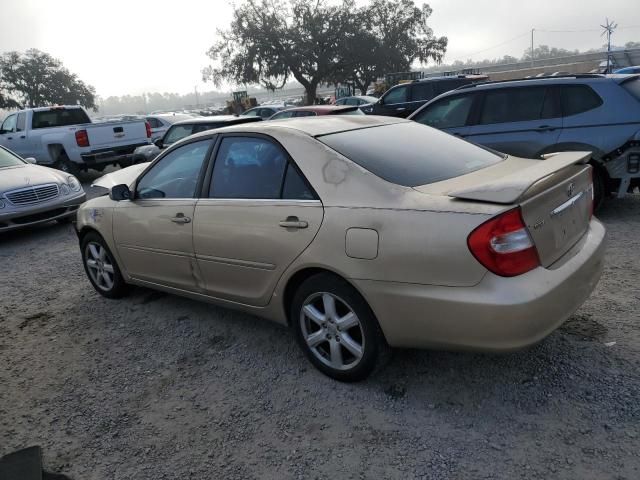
{"x": 498, "y": 314}
{"x": 110, "y": 155}
{"x": 26, "y": 217}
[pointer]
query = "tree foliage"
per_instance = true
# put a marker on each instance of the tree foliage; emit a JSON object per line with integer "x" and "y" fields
{"x": 317, "y": 42}
{"x": 36, "y": 79}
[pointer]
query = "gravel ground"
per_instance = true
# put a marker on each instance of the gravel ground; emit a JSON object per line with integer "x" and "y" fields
{"x": 160, "y": 387}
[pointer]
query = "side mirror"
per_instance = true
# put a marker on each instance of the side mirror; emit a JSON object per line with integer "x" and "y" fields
{"x": 158, "y": 143}
{"x": 30, "y": 160}
{"x": 120, "y": 192}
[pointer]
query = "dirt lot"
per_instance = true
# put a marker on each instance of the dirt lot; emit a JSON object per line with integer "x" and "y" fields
{"x": 160, "y": 387}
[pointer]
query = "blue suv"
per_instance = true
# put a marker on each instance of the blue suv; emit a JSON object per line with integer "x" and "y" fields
{"x": 532, "y": 117}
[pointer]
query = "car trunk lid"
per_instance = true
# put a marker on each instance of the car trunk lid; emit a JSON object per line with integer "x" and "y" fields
{"x": 554, "y": 195}
{"x": 117, "y": 134}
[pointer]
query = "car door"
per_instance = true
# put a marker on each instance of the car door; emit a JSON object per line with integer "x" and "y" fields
{"x": 450, "y": 114}
{"x": 154, "y": 231}
{"x": 393, "y": 103}
{"x": 521, "y": 121}
{"x": 259, "y": 216}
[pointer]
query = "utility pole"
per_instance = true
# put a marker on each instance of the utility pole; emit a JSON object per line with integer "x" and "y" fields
{"x": 195, "y": 88}
{"x": 609, "y": 27}
{"x": 532, "y": 47}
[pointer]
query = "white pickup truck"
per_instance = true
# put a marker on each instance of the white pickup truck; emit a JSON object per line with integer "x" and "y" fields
{"x": 65, "y": 138}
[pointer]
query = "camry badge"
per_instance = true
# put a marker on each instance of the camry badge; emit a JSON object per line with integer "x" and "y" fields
{"x": 570, "y": 189}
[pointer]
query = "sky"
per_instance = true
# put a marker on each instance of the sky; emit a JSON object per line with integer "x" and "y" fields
{"x": 132, "y": 46}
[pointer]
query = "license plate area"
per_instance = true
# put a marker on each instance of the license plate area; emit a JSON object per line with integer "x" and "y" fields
{"x": 570, "y": 219}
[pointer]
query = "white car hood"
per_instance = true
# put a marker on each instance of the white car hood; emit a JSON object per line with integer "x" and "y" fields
{"x": 28, "y": 175}
{"x": 124, "y": 175}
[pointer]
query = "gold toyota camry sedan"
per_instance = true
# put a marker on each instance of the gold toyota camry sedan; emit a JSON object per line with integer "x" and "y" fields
{"x": 361, "y": 233}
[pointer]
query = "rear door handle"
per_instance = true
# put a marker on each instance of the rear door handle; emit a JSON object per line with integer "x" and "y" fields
{"x": 400, "y": 109}
{"x": 293, "y": 222}
{"x": 180, "y": 218}
{"x": 545, "y": 128}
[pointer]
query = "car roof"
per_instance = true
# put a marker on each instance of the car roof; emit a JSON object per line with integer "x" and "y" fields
{"x": 230, "y": 119}
{"x": 321, "y": 109}
{"x": 559, "y": 79}
{"x": 312, "y": 126}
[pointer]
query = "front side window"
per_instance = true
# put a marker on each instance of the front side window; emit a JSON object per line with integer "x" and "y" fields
{"x": 516, "y": 105}
{"x": 248, "y": 167}
{"x": 177, "y": 132}
{"x": 450, "y": 112}
{"x": 396, "y": 95}
{"x": 176, "y": 174}
{"x": 422, "y": 91}
{"x": 578, "y": 99}
{"x": 9, "y": 125}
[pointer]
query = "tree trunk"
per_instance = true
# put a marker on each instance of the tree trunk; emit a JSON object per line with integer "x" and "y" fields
{"x": 310, "y": 90}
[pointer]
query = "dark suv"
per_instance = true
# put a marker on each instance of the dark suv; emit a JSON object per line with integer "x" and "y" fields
{"x": 532, "y": 117}
{"x": 404, "y": 99}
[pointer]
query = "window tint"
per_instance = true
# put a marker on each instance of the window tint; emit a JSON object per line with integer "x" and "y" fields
{"x": 177, "y": 132}
{"x": 516, "y": 105}
{"x": 410, "y": 154}
{"x": 450, "y": 112}
{"x": 422, "y": 91}
{"x": 176, "y": 174}
{"x": 578, "y": 99}
{"x": 396, "y": 95}
{"x": 295, "y": 186}
{"x": 9, "y": 125}
{"x": 248, "y": 167}
{"x": 59, "y": 117}
{"x": 20, "y": 123}
{"x": 633, "y": 87}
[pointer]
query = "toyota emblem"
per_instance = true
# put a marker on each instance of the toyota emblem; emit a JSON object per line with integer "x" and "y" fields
{"x": 570, "y": 189}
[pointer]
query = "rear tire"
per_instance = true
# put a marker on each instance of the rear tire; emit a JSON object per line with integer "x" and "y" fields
{"x": 101, "y": 267}
{"x": 66, "y": 165}
{"x": 599, "y": 187}
{"x": 336, "y": 329}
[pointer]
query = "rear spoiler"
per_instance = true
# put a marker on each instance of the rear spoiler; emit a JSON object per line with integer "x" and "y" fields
{"x": 511, "y": 188}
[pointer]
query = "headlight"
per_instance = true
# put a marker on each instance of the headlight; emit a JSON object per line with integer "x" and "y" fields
{"x": 74, "y": 184}
{"x": 64, "y": 189}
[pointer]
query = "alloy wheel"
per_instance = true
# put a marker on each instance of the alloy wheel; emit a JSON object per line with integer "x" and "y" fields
{"x": 100, "y": 266}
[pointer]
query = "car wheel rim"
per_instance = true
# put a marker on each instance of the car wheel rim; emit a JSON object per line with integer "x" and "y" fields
{"x": 332, "y": 331}
{"x": 99, "y": 266}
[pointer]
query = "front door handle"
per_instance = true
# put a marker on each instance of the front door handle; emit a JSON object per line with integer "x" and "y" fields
{"x": 293, "y": 222}
{"x": 400, "y": 109}
{"x": 180, "y": 218}
{"x": 545, "y": 128}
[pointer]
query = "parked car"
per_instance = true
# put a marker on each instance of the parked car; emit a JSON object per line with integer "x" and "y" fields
{"x": 533, "y": 117}
{"x": 404, "y": 99}
{"x": 183, "y": 129}
{"x": 358, "y": 232}
{"x": 160, "y": 123}
{"x": 31, "y": 194}
{"x": 358, "y": 100}
{"x": 628, "y": 70}
{"x": 315, "y": 110}
{"x": 263, "y": 111}
{"x": 65, "y": 138}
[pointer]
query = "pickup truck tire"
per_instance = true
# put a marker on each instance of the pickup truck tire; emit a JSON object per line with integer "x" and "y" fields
{"x": 64, "y": 164}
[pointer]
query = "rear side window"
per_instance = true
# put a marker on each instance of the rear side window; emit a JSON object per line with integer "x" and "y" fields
{"x": 422, "y": 91}
{"x": 633, "y": 87}
{"x": 177, "y": 132}
{"x": 578, "y": 99}
{"x": 59, "y": 117}
{"x": 295, "y": 186}
{"x": 396, "y": 95}
{"x": 410, "y": 154}
{"x": 450, "y": 112}
{"x": 517, "y": 105}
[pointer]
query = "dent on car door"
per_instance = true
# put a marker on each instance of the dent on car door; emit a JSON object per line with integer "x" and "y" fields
{"x": 521, "y": 121}
{"x": 260, "y": 215}
{"x": 153, "y": 232}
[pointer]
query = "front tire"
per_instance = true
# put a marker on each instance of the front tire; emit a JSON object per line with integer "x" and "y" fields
{"x": 336, "y": 329}
{"x": 101, "y": 267}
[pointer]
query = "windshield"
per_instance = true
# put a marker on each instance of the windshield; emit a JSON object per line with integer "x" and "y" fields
{"x": 59, "y": 117}
{"x": 410, "y": 154}
{"x": 177, "y": 132}
{"x": 8, "y": 159}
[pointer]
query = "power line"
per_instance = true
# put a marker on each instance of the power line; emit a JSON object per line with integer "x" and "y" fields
{"x": 490, "y": 48}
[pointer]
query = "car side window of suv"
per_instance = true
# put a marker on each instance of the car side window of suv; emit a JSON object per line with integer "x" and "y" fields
{"x": 578, "y": 99}
{"x": 517, "y": 105}
{"x": 422, "y": 91}
{"x": 176, "y": 174}
{"x": 396, "y": 95}
{"x": 449, "y": 112}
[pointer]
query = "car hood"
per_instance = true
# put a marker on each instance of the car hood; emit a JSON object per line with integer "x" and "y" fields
{"x": 26, "y": 175}
{"x": 125, "y": 175}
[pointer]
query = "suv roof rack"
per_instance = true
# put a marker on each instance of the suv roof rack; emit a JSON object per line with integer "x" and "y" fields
{"x": 576, "y": 75}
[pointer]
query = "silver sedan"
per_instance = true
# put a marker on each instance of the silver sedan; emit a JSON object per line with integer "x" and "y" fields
{"x": 32, "y": 194}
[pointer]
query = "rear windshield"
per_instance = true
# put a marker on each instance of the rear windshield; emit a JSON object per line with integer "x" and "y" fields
{"x": 633, "y": 87}
{"x": 59, "y": 117}
{"x": 410, "y": 154}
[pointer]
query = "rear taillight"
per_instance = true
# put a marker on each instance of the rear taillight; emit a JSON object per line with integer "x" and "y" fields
{"x": 82, "y": 139}
{"x": 503, "y": 245}
{"x": 148, "y": 127}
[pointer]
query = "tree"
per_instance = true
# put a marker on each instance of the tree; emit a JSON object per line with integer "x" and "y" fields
{"x": 36, "y": 79}
{"x": 269, "y": 41}
{"x": 394, "y": 34}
